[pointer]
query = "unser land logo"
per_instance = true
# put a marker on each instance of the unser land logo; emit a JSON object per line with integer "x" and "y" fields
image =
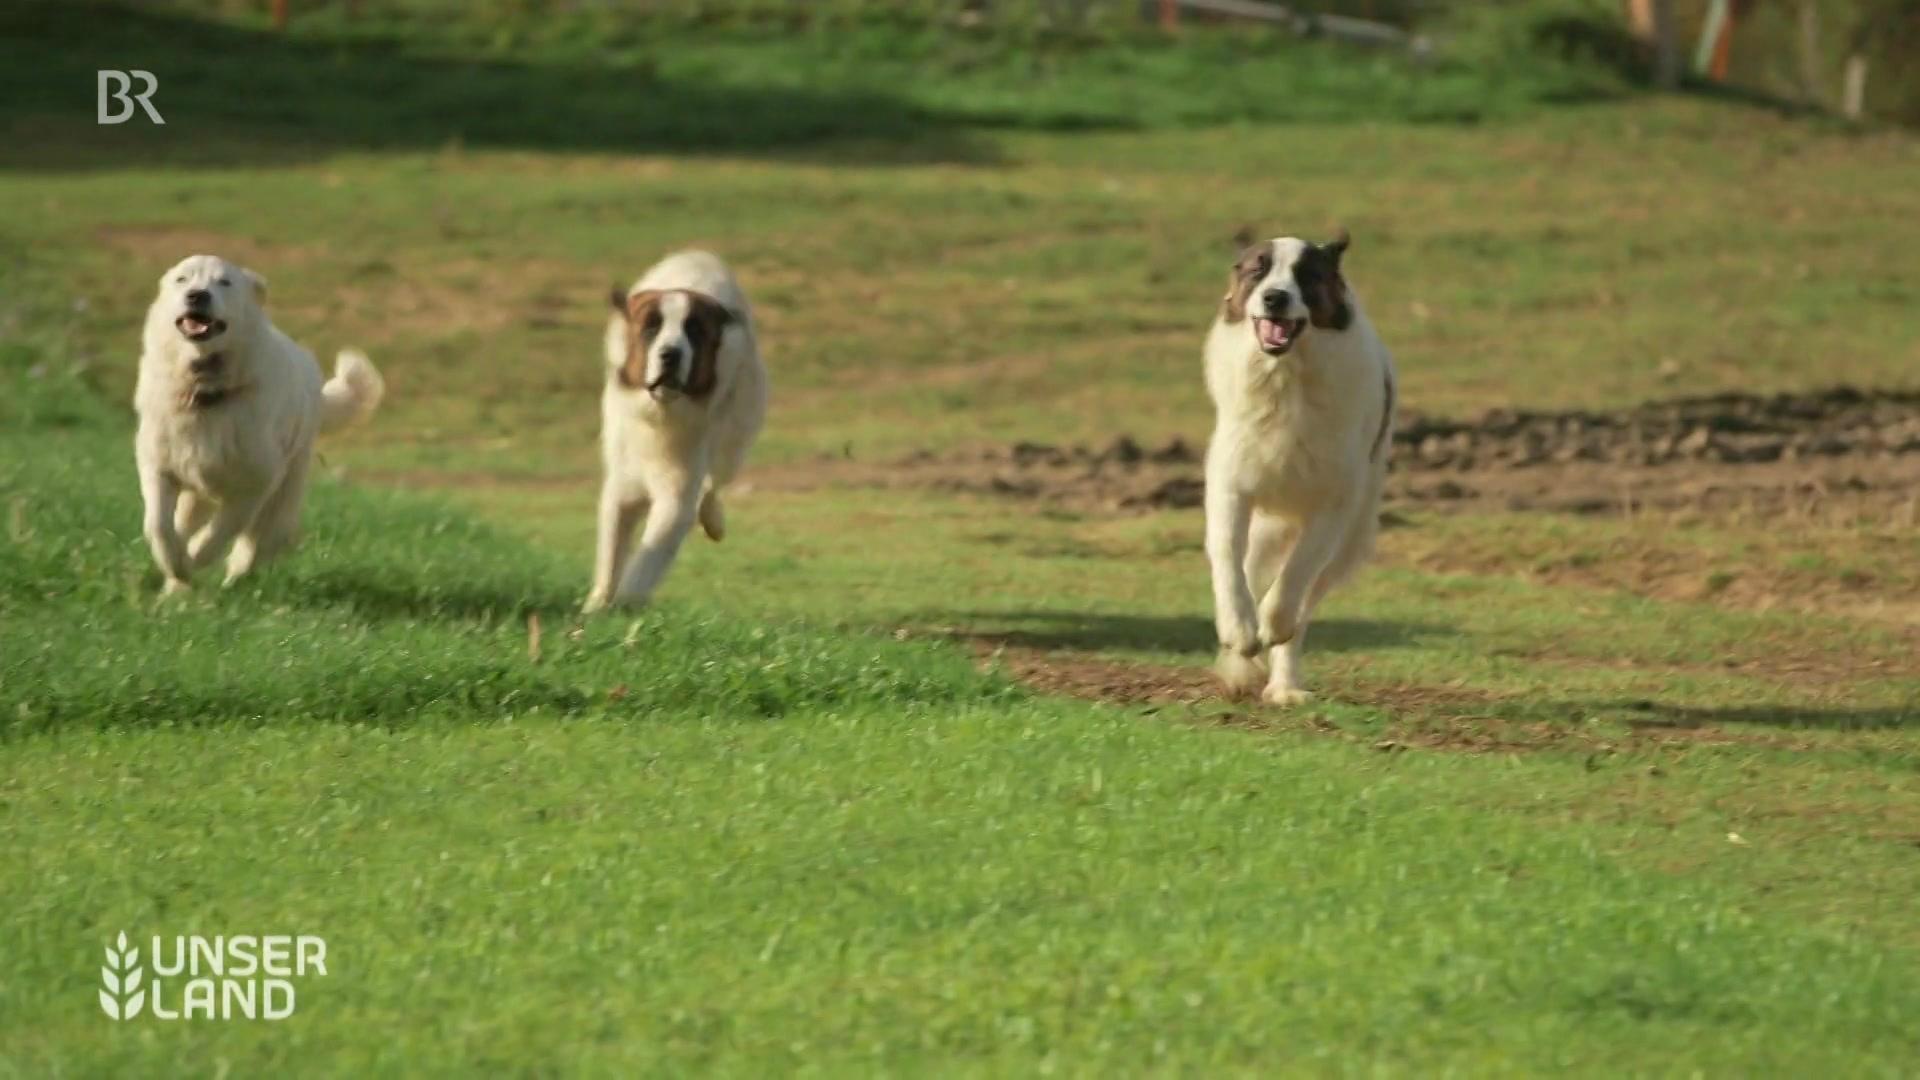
{"x": 244, "y": 977}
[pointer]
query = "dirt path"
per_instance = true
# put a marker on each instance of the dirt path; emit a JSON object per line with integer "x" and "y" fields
{"x": 1725, "y": 453}
{"x": 1425, "y": 717}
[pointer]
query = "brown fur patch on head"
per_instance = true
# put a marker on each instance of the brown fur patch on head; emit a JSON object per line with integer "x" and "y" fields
{"x": 1322, "y": 288}
{"x": 1254, "y": 264}
{"x": 706, "y": 325}
{"x": 641, "y": 310}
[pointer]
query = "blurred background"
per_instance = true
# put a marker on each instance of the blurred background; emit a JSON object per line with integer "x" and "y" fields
{"x": 1848, "y": 56}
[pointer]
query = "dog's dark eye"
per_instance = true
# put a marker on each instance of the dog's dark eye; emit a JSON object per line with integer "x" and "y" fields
{"x": 224, "y": 283}
{"x": 181, "y": 280}
{"x": 653, "y": 322}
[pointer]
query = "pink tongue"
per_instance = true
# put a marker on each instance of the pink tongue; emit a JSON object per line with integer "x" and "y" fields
{"x": 194, "y": 325}
{"x": 1273, "y": 332}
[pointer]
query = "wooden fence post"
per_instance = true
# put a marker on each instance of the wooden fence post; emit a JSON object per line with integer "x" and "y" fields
{"x": 1651, "y": 23}
{"x": 1811, "y": 79}
{"x": 1853, "y": 96}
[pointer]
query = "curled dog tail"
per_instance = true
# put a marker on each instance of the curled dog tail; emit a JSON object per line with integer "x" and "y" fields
{"x": 353, "y": 393}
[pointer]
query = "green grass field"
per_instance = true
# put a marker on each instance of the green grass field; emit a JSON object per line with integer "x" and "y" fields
{"x": 902, "y": 779}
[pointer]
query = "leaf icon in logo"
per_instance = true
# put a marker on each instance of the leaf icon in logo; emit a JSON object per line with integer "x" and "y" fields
{"x": 122, "y": 976}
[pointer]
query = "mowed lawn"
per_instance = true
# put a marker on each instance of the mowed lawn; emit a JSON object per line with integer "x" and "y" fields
{"x": 800, "y": 815}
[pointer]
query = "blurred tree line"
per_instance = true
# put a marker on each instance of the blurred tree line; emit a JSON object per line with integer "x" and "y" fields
{"x": 1857, "y": 57}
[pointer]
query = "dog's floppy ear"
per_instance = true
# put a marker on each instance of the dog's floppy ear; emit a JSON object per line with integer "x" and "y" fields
{"x": 258, "y": 284}
{"x": 1255, "y": 260}
{"x": 1322, "y": 286}
{"x": 635, "y": 309}
{"x": 1244, "y": 237}
{"x": 1337, "y": 246}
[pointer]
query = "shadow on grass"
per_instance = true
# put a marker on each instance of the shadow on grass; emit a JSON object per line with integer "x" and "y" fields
{"x": 374, "y": 599}
{"x": 1655, "y": 715}
{"x": 1046, "y": 629}
{"x": 231, "y": 95}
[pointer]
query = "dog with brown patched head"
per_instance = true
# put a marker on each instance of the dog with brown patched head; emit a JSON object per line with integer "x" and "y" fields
{"x": 685, "y": 396}
{"x": 1303, "y": 393}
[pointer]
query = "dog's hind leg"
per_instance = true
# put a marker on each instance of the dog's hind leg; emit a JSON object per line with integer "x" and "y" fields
{"x": 713, "y": 517}
{"x": 191, "y": 514}
{"x": 232, "y": 518}
{"x": 1354, "y": 549}
{"x": 1284, "y": 608}
{"x": 1269, "y": 539}
{"x": 1354, "y": 544}
{"x": 275, "y": 528}
{"x": 728, "y": 456}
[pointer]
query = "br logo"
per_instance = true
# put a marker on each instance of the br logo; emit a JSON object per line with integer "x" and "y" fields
{"x": 122, "y": 998}
{"x": 114, "y": 87}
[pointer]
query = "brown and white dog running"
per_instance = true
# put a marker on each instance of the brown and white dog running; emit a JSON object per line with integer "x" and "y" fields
{"x": 685, "y": 396}
{"x": 1303, "y": 393}
{"x": 229, "y": 408}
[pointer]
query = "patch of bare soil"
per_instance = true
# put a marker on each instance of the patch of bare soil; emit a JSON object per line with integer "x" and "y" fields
{"x": 1090, "y": 677}
{"x": 1426, "y": 717}
{"x": 1721, "y": 452}
{"x": 1725, "y": 452}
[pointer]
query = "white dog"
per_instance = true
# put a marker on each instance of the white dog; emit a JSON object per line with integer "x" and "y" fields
{"x": 686, "y": 393}
{"x": 229, "y": 407}
{"x": 1303, "y": 392}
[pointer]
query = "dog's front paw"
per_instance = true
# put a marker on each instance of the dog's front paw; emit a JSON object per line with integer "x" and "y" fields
{"x": 1242, "y": 675}
{"x": 1286, "y": 696}
{"x": 175, "y": 587}
{"x": 596, "y": 602}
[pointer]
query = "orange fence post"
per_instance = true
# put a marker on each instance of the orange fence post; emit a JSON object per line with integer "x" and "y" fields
{"x": 1169, "y": 14}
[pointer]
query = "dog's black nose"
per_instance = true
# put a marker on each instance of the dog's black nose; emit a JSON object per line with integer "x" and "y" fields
{"x": 1277, "y": 299}
{"x": 198, "y": 297}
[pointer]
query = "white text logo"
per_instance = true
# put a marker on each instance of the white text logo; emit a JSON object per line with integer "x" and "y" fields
{"x": 244, "y": 977}
{"x": 113, "y": 88}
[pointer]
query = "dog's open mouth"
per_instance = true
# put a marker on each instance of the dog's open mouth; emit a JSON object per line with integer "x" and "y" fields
{"x": 200, "y": 327}
{"x": 1278, "y": 335}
